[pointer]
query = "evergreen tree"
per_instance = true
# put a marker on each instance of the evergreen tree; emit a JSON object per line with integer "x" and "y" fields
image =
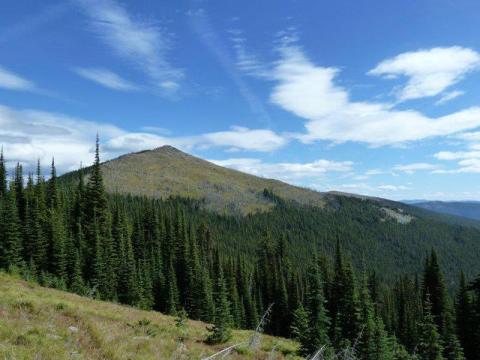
{"x": 300, "y": 330}
{"x": 430, "y": 345}
{"x": 434, "y": 285}
{"x": 318, "y": 318}
{"x": 3, "y": 175}
{"x": 369, "y": 341}
{"x": 220, "y": 332}
{"x": 10, "y": 234}
{"x": 464, "y": 314}
{"x": 77, "y": 284}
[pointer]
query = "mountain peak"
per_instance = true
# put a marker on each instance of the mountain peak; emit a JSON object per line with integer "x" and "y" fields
{"x": 166, "y": 171}
{"x": 167, "y": 148}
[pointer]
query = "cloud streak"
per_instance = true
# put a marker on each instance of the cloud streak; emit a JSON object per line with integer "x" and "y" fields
{"x": 106, "y": 78}
{"x": 12, "y": 81}
{"x": 142, "y": 43}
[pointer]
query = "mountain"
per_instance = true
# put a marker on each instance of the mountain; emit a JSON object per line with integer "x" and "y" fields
{"x": 467, "y": 209}
{"x": 41, "y": 323}
{"x": 377, "y": 229}
{"x": 167, "y": 171}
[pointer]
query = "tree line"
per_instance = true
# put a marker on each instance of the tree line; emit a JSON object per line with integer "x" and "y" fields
{"x": 155, "y": 254}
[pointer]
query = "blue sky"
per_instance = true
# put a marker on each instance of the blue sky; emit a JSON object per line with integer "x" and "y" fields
{"x": 372, "y": 97}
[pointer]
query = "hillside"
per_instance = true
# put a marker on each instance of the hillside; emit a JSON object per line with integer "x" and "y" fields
{"x": 167, "y": 171}
{"x": 467, "y": 209}
{"x": 41, "y": 323}
{"x": 374, "y": 227}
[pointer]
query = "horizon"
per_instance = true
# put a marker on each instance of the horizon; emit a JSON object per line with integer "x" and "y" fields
{"x": 380, "y": 100}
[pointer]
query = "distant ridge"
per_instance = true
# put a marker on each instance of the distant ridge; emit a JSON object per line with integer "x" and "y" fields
{"x": 467, "y": 209}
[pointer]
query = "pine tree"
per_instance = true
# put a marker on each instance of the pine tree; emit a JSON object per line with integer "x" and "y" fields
{"x": 300, "y": 330}
{"x": 475, "y": 329}
{"x": 77, "y": 284}
{"x": 10, "y": 234}
{"x": 368, "y": 341}
{"x": 220, "y": 332}
{"x": 318, "y": 319}
{"x": 52, "y": 194}
{"x": 464, "y": 314}
{"x": 434, "y": 285}
{"x": 171, "y": 296}
{"x": 18, "y": 188}
{"x": 3, "y": 175}
{"x": 57, "y": 234}
{"x": 98, "y": 265}
{"x": 430, "y": 345}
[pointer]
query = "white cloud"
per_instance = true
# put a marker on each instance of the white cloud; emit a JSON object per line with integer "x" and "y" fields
{"x": 412, "y": 168}
{"x": 469, "y": 136}
{"x": 467, "y": 161}
{"x": 451, "y": 155}
{"x": 374, "y": 172}
{"x": 143, "y": 43}
{"x": 286, "y": 171}
{"x": 429, "y": 72}
{"x": 237, "y": 138}
{"x": 310, "y": 92}
{"x": 245, "y": 139}
{"x": 12, "y": 81}
{"x": 392, "y": 187}
{"x": 106, "y": 78}
{"x": 28, "y": 135}
{"x": 449, "y": 96}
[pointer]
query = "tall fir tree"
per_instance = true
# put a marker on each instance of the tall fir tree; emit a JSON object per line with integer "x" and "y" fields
{"x": 3, "y": 175}
{"x": 10, "y": 234}
{"x": 430, "y": 346}
{"x": 464, "y": 317}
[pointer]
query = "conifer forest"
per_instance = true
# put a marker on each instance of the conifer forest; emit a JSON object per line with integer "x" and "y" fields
{"x": 169, "y": 256}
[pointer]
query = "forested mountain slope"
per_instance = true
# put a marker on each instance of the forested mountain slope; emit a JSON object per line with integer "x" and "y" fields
{"x": 389, "y": 236}
{"x": 166, "y": 171}
{"x": 353, "y": 269}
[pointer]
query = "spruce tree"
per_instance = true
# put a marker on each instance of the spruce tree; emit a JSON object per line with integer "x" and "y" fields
{"x": 434, "y": 285}
{"x": 318, "y": 319}
{"x": 77, "y": 284}
{"x": 369, "y": 343}
{"x": 10, "y": 234}
{"x": 3, "y": 175}
{"x": 464, "y": 317}
{"x": 430, "y": 345}
{"x": 220, "y": 332}
{"x": 300, "y": 330}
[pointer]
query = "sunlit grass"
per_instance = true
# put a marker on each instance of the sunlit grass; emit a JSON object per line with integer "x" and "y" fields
{"x": 41, "y": 323}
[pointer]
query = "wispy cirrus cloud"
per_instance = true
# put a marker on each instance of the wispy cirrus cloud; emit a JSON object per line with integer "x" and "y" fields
{"x": 142, "y": 43}
{"x": 12, "y": 81}
{"x": 429, "y": 71}
{"x": 449, "y": 96}
{"x": 106, "y": 78}
{"x": 203, "y": 27}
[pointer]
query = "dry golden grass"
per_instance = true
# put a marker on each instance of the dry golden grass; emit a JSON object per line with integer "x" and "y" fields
{"x": 41, "y": 323}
